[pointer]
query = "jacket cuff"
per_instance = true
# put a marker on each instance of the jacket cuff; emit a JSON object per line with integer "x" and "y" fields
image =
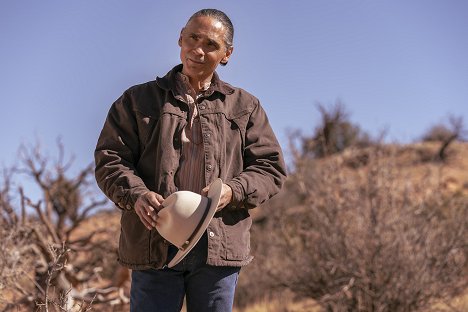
{"x": 237, "y": 194}
{"x": 128, "y": 201}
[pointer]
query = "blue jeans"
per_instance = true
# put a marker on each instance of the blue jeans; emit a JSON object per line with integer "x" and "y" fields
{"x": 207, "y": 288}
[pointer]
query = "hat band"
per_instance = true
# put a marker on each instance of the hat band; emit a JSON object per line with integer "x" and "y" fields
{"x": 197, "y": 228}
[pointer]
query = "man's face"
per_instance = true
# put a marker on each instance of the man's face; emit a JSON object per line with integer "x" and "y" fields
{"x": 202, "y": 47}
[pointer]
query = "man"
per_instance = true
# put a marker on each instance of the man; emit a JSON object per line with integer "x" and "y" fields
{"x": 181, "y": 132}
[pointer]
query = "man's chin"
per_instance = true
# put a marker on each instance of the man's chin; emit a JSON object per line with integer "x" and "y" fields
{"x": 196, "y": 72}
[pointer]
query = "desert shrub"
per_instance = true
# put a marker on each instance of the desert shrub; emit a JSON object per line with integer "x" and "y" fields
{"x": 446, "y": 133}
{"x": 438, "y": 132}
{"x": 334, "y": 134}
{"x": 47, "y": 261}
{"x": 373, "y": 239}
{"x": 15, "y": 263}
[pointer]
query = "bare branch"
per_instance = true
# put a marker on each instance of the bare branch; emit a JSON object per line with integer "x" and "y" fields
{"x": 45, "y": 220}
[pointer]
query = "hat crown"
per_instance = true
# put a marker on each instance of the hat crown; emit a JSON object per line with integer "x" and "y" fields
{"x": 185, "y": 216}
{"x": 181, "y": 213}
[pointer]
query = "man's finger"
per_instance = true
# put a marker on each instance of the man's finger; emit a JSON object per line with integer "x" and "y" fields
{"x": 149, "y": 214}
{"x": 154, "y": 200}
{"x": 145, "y": 218}
{"x": 151, "y": 203}
{"x": 226, "y": 197}
{"x": 204, "y": 192}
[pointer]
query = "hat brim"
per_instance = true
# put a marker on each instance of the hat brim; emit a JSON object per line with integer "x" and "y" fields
{"x": 214, "y": 193}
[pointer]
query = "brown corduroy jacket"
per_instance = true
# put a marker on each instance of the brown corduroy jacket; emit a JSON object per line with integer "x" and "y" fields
{"x": 139, "y": 150}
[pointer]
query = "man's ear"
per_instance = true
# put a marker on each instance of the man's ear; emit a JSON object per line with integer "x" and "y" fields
{"x": 225, "y": 59}
{"x": 180, "y": 37}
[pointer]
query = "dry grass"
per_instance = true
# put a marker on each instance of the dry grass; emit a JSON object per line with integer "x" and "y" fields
{"x": 281, "y": 302}
{"x": 367, "y": 230}
{"x": 257, "y": 291}
{"x": 286, "y": 303}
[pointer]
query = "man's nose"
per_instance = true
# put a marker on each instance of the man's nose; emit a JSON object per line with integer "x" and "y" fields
{"x": 199, "y": 50}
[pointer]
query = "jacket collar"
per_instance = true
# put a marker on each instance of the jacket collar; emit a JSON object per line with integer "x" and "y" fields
{"x": 168, "y": 82}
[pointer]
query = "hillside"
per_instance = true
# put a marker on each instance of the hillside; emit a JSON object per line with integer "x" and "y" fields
{"x": 392, "y": 206}
{"x": 414, "y": 161}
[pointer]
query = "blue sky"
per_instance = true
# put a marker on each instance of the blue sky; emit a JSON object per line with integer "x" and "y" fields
{"x": 396, "y": 65}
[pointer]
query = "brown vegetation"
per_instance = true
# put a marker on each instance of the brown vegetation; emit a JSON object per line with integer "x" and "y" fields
{"x": 359, "y": 226}
{"x": 47, "y": 261}
{"x": 334, "y": 133}
{"x": 374, "y": 229}
{"x": 445, "y": 134}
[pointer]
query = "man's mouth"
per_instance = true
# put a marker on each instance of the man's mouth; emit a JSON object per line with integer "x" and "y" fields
{"x": 196, "y": 62}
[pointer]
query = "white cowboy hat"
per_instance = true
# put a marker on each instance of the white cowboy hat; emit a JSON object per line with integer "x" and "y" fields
{"x": 185, "y": 216}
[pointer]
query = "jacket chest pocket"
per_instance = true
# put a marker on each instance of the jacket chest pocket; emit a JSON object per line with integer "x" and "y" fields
{"x": 238, "y": 124}
{"x": 234, "y": 142}
{"x": 168, "y": 121}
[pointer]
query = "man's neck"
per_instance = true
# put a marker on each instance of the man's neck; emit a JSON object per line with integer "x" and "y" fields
{"x": 199, "y": 83}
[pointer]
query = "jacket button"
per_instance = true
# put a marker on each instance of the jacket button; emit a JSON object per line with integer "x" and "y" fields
{"x": 202, "y": 107}
{"x": 211, "y": 234}
{"x": 209, "y": 167}
{"x": 207, "y": 135}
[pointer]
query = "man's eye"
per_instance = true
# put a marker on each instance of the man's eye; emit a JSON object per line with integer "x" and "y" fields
{"x": 213, "y": 44}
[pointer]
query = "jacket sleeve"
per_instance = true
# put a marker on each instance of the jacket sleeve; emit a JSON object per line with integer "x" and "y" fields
{"x": 264, "y": 169}
{"x": 117, "y": 153}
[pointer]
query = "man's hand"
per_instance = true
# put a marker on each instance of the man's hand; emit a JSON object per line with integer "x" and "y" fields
{"x": 147, "y": 207}
{"x": 226, "y": 195}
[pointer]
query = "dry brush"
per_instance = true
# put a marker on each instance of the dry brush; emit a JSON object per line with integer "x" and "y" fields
{"x": 45, "y": 264}
{"x": 359, "y": 232}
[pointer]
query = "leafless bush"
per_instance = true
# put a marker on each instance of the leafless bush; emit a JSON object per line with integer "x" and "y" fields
{"x": 445, "y": 133}
{"x": 45, "y": 263}
{"x": 334, "y": 134}
{"x": 373, "y": 239}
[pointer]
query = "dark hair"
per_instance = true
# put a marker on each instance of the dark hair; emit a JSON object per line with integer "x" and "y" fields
{"x": 223, "y": 19}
